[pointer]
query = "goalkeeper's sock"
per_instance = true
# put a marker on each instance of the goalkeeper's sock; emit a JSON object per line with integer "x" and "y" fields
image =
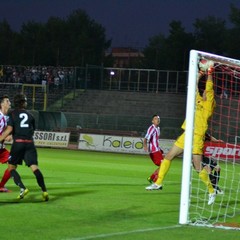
{"x": 165, "y": 165}
{"x": 5, "y": 178}
{"x": 204, "y": 176}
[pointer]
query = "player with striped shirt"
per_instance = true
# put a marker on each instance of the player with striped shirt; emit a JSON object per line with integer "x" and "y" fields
{"x": 151, "y": 145}
{"x": 4, "y": 153}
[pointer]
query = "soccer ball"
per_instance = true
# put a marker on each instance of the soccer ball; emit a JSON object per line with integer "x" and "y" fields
{"x": 205, "y": 64}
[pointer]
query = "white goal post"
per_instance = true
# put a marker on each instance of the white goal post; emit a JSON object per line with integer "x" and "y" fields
{"x": 229, "y": 64}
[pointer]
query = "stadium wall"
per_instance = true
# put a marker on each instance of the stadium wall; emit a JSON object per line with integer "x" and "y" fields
{"x": 122, "y": 111}
{"x": 126, "y": 111}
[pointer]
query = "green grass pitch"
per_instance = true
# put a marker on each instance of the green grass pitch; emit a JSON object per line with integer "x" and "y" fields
{"x": 97, "y": 195}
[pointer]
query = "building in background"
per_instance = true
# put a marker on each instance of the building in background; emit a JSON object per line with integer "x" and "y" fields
{"x": 126, "y": 57}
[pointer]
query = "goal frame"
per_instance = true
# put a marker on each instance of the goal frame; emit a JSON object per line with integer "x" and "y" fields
{"x": 34, "y": 86}
{"x": 194, "y": 57}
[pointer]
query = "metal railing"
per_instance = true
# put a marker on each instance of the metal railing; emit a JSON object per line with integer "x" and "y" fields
{"x": 130, "y": 79}
{"x": 57, "y": 82}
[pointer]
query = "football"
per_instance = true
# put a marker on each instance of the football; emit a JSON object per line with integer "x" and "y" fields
{"x": 205, "y": 64}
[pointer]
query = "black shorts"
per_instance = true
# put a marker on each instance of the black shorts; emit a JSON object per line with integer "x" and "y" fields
{"x": 23, "y": 151}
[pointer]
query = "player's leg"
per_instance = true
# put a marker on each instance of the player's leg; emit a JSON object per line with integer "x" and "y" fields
{"x": 215, "y": 179}
{"x": 39, "y": 177}
{"x": 203, "y": 172}
{"x": 32, "y": 162}
{"x": 17, "y": 154}
{"x": 176, "y": 150}
{"x": 165, "y": 165}
{"x": 6, "y": 176}
{"x": 18, "y": 181}
{"x": 213, "y": 175}
{"x": 157, "y": 158}
{"x": 4, "y": 155}
{"x": 16, "y": 177}
{"x": 40, "y": 180}
{"x": 154, "y": 176}
{"x": 204, "y": 176}
{"x": 198, "y": 145}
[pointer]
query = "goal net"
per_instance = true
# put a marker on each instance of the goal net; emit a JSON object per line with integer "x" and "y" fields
{"x": 222, "y": 152}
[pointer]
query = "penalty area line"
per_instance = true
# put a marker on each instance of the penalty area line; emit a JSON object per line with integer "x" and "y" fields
{"x": 124, "y": 233}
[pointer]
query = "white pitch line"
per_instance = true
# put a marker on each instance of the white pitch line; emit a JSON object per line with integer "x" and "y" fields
{"x": 124, "y": 233}
{"x": 89, "y": 183}
{"x": 80, "y": 183}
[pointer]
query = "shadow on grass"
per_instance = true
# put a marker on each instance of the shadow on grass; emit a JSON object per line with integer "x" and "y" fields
{"x": 37, "y": 198}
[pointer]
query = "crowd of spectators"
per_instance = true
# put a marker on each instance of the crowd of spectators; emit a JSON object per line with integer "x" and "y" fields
{"x": 54, "y": 77}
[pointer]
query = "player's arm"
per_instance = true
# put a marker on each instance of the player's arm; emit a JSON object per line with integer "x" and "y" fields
{"x": 145, "y": 147}
{"x": 210, "y": 101}
{"x": 6, "y": 132}
{"x": 8, "y": 138}
{"x": 207, "y": 137}
{"x": 210, "y": 138}
{"x": 209, "y": 83}
{"x": 213, "y": 139}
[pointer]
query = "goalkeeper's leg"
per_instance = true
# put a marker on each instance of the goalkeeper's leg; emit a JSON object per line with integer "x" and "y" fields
{"x": 166, "y": 163}
{"x": 203, "y": 172}
{"x": 204, "y": 176}
{"x": 176, "y": 150}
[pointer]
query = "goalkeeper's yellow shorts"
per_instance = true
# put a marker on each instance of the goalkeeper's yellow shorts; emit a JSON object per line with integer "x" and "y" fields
{"x": 198, "y": 143}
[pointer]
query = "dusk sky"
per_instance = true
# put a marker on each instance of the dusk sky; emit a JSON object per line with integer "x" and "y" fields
{"x": 127, "y": 22}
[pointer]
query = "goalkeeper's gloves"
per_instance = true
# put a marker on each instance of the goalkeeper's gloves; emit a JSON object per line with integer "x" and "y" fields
{"x": 210, "y": 71}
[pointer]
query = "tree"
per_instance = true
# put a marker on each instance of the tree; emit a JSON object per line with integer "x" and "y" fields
{"x": 178, "y": 45}
{"x": 33, "y": 43}
{"x": 233, "y": 36}
{"x": 169, "y": 52}
{"x": 235, "y": 15}
{"x": 6, "y": 36}
{"x": 55, "y": 43}
{"x": 153, "y": 53}
{"x": 86, "y": 39}
{"x": 76, "y": 41}
{"x": 210, "y": 35}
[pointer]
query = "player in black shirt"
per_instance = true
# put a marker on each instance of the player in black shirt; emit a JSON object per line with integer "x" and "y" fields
{"x": 21, "y": 125}
{"x": 211, "y": 165}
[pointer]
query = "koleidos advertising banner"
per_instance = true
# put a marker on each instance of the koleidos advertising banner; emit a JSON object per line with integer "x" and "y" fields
{"x": 107, "y": 143}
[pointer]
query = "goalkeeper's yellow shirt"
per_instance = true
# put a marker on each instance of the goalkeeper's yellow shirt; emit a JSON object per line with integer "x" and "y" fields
{"x": 203, "y": 110}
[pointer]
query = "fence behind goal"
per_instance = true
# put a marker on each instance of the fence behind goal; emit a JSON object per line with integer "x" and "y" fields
{"x": 225, "y": 126}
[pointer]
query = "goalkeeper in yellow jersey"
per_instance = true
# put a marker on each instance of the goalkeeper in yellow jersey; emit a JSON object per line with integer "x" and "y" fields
{"x": 204, "y": 108}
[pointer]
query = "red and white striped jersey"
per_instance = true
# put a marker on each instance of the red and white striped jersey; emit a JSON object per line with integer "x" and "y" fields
{"x": 3, "y": 122}
{"x": 152, "y": 136}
